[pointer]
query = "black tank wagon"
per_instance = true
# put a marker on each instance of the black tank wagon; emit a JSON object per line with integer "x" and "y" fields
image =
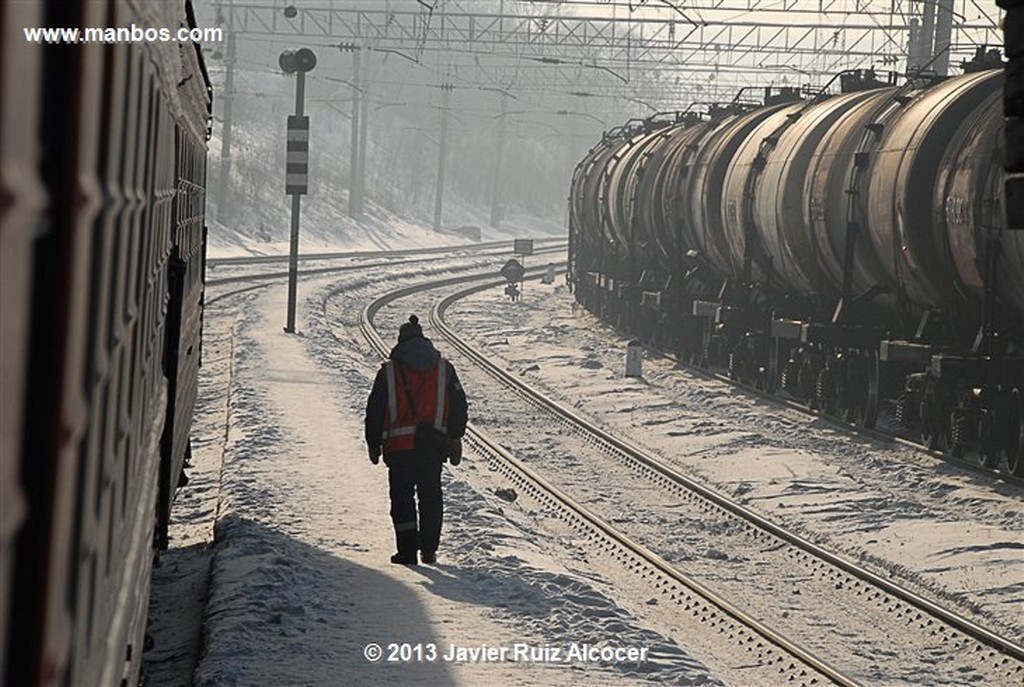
{"x": 102, "y": 194}
{"x": 849, "y": 251}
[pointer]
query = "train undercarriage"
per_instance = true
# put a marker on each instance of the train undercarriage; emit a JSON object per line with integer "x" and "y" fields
{"x": 970, "y": 406}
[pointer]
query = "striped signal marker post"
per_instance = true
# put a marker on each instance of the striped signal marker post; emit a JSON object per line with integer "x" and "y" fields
{"x": 297, "y": 160}
{"x": 296, "y": 185}
{"x": 296, "y": 179}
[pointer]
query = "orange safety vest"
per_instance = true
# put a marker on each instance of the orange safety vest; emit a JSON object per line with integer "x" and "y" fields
{"x": 429, "y": 391}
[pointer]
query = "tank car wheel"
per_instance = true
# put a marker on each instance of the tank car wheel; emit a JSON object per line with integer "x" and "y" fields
{"x": 1013, "y": 444}
{"x": 847, "y": 406}
{"x": 808, "y": 379}
{"x": 824, "y": 392}
{"x": 934, "y": 429}
{"x": 770, "y": 372}
{"x": 989, "y": 449}
{"x": 768, "y": 380}
{"x": 958, "y": 433}
{"x": 869, "y": 416}
{"x": 852, "y": 390}
{"x": 934, "y": 439}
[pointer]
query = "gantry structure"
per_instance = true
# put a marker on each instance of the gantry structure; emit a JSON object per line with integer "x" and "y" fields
{"x": 633, "y": 48}
{"x": 610, "y": 57}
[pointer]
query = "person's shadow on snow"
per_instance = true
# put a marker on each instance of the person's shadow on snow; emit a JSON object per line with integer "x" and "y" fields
{"x": 285, "y": 612}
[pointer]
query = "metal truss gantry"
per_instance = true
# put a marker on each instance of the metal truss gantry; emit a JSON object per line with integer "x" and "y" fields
{"x": 656, "y": 54}
{"x": 812, "y": 37}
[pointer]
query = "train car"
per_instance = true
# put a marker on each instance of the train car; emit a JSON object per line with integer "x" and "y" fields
{"x": 103, "y": 149}
{"x": 847, "y": 250}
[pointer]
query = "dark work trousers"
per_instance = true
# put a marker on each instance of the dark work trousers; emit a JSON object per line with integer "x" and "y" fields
{"x": 415, "y": 474}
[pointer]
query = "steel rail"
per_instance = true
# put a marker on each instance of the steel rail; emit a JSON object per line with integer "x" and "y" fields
{"x": 260, "y": 259}
{"x": 270, "y": 276}
{"x": 1002, "y": 644}
{"x": 342, "y": 268}
{"x": 564, "y": 501}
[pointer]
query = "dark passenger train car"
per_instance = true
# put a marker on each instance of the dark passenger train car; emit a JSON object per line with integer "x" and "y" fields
{"x": 102, "y": 244}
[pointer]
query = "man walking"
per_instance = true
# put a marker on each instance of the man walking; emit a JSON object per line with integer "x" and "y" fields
{"x": 416, "y": 414}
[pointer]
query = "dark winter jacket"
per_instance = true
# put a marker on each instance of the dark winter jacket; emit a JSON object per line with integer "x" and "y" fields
{"x": 416, "y": 353}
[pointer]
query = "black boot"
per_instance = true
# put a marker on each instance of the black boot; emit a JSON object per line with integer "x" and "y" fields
{"x": 403, "y": 559}
{"x": 407, "y": 544}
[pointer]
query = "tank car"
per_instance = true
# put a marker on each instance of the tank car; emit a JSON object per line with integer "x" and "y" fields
{"x": 848, "y": 251}
{"x": 102, "y": 189}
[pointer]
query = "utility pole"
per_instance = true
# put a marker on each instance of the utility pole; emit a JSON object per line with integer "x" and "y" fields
{"x": 442, "y": 160}
{"x": 355, "y": 203}
{"x": 496, "y": 209}
{"x": 225, "y": 137}
{"x": 913, "y": 45}
{"x": 364, "y": 120}
{"x": 927, "y": 32}
{"x": 296, "y": 163}
{"x": 943, "y": 32}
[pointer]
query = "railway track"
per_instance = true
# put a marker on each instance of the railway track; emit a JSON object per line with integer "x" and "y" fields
{"x": 850, "y": 427}
{"x": 780, "y": 657}
{"x": 356, "y": 255}
{"x": 935, "y": 628}
{"x": 407, "y": 257}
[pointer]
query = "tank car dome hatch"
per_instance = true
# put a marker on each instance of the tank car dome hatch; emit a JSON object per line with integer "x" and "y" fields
{"x": 856, "y": 80}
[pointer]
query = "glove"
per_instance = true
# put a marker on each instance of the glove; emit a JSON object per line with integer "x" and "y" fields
{"x": 456, "y": 455}
{"x": 374, "y": 454}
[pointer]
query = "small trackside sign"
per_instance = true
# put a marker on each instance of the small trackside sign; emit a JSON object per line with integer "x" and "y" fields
{"x": 513, "y": 271}
{"x": 522, "y": 246}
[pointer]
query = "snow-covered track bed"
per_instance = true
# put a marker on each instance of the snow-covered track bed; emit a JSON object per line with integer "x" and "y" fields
{"x": 238, "y": 268}
{"x": 503, "y": 246}
{"x": 778, "y": 659}
{"x": 867, "y": 625}
{"x": 899, "y": 437}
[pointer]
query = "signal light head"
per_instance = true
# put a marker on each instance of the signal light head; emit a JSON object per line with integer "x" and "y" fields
{"x": 302, "y": 60}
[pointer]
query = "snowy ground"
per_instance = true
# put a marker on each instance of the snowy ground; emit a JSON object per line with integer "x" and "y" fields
{"x": 326, "y": 227}
{"x": 942, "y": 528}
{"x": 300, "y": 579}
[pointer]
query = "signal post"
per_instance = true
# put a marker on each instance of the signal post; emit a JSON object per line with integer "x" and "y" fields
{"x": 296, "y": 163}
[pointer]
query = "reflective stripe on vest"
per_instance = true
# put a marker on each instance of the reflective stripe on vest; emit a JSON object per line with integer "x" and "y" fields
{"x": 400, "y": 424}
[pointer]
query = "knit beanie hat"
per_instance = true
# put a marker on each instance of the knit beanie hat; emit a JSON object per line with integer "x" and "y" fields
{"x": 410, "y": 329}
